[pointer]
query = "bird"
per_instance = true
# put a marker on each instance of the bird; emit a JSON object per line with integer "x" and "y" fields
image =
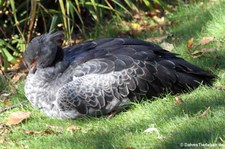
{"x": 101, "y": 76}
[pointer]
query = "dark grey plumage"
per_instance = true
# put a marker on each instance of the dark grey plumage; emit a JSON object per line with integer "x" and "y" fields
{"x": 98, "y": 77}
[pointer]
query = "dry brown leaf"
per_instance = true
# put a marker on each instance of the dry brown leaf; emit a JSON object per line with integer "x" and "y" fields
{"x": 17, "y": 77}
{"x": 205, "y": 40}
{"x": 205, "y": 112}
{"x": 47, "y": 131}
{"x": 73, "y": 128}
{"x": 17, "y": 117}
{"x": 157, "y": 39}
{"x": 216, "y": 56}
{"x": 138, "y": 16}
{"x": 17, "y": 66}
{"x": 160, "y": 20}
{"x": 190, "y": 43}
{"x": 13, "y": 88}
{"x": 31, "y": 132}
{"x": 220, "y": 88}
{"x": 179, "y": 100}
{"x": 6, "y": 103}
{"x": 167, "y": 46}
{"x": 199, "y": 53}
{"x": 5, "y": 96}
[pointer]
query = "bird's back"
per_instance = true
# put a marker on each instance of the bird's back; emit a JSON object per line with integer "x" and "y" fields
{"x": 121, "y": 54}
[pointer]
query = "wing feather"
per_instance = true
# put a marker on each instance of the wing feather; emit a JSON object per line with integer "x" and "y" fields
{"x": 114, "y": 71}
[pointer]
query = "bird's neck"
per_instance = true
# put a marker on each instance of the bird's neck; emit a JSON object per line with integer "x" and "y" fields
{"x": 59, "y": 56}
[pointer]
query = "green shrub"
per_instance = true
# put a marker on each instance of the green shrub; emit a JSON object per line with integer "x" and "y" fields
{"x": 22, "y": 20}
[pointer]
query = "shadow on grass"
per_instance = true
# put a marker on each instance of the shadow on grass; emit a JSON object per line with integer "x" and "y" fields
{"x": 200, "y": 129}
{"x": 193, "y": 129}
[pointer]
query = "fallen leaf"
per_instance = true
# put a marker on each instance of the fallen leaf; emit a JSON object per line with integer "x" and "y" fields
{"x": 73, "y": 128}
{"x": 167, "y": 46}
{"x": 205, "y": 112}
{"x": 57, "y": 128}
{"x": 6, "y": 103}
{"x": 205, "y": 40}
{"x": 216, "y": 56}
{"x": 17, "y": 117}
{"x": 178, "y": 100}
{"x": 199, "y": 53}
{"x": 160, "y": 20}
{"x": 13, "y": 88}
{"x": 5, "y": 96}
{"x": 17, "y": 77}
{"x": 138, "y": 16}
{"x": 220, "y": 88}
{"x": 157, "y": 39}
{"x": 47, "y": 131}
{"x": 190, "y": 43}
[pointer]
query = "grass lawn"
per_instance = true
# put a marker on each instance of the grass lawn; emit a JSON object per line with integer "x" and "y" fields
{"x": 197, "y": 121}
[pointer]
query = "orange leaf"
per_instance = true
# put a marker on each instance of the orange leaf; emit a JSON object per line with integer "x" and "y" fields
{"x": 17, "y": 117}
{"x": 205, "y": 40}
{"x": 190, "y": 43}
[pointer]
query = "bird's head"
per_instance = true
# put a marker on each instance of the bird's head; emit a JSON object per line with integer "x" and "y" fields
{"x": 41, "y": 51}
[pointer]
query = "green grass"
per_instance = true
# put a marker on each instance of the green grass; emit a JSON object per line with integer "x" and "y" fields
{"x": 176, "y": 123}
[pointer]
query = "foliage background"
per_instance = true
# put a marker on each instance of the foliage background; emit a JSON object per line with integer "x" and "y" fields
{"x": 21, "y": 20}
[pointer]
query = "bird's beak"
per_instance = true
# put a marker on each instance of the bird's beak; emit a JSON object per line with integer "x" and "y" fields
{"x": 33, "y": 66}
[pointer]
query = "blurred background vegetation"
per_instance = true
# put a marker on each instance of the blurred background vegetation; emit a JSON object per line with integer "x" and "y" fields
{"x": 21, "y": 20}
